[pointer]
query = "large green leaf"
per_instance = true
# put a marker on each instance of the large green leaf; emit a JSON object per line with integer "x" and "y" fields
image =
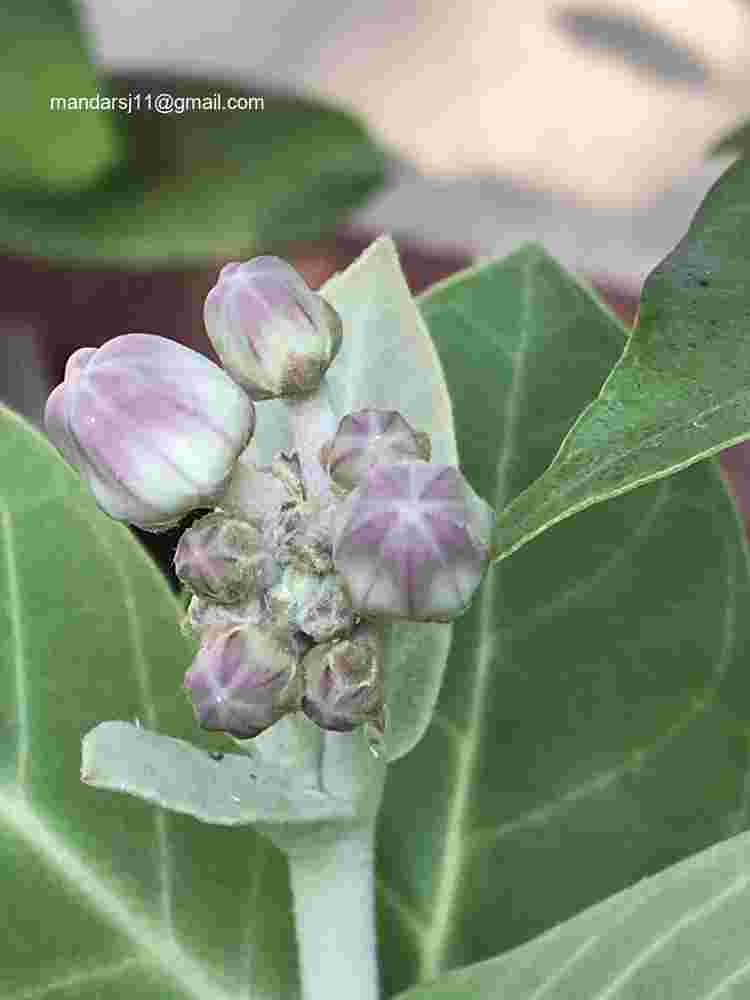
{"x": 106, "y": 895}
{"x": 681, "y": 390}
{"x": 202, "y": 184}
{"x": 45, "y": 55}
{"x": 681, "y": 935}
{"x": 592, "y": 725}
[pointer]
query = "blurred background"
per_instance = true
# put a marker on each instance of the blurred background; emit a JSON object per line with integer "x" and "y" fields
{"x": 595, "y": 128}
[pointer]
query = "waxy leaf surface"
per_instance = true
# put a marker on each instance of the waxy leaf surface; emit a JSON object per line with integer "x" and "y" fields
{"x": 681, "y": 390}
{"x": 592, "y": 724}
{"x": 106, "y": 895}
{"x": 680, "y": 935}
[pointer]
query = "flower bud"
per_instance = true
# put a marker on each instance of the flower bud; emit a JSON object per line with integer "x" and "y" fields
{"x": 274, "y": 335}
{"x": 302, "y": 536}
{"x": 224, "y": 558}
{"x": 412, "y": 542}
{"x": 344, "y": 682}
{"x": 371, "y": 437}
{"x": 204, "y": 616}
{"x": 153, "y": 427}
{"x": 243, "y": 680}
{"x": 316, "y": 605}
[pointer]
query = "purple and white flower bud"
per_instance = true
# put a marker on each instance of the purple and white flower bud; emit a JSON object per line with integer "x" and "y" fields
{"x": 344, "y": 682}
{"x": 153, "y": 427}
{"x": 224, "y": 558}
{"x": 412, "y": 542}
{"x": 275, "y": 336}
{"x": 372, "y": 437}
{"x": 243, "y": 680}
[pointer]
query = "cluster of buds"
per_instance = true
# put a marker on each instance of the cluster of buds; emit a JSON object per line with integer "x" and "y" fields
{"x": 290, "y": 586}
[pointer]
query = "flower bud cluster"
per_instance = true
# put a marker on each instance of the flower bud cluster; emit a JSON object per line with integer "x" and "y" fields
{"x": 290, "y": 581}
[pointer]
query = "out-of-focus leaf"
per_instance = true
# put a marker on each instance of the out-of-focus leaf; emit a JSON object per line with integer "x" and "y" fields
{"x": 592, "y": 724}
{"x": 202, "y": 184}
{"x": 109, "y": 895}
{"x": 681, "y": 390}
{"x": 45, "y": 56}
{"x": 681, "y": 935}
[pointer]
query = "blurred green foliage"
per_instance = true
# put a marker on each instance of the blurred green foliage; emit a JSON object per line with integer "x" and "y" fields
{"x": 136, "y": 186}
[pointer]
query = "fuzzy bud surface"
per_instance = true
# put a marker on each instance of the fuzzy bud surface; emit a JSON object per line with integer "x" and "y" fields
{"x": 275, "y": 336}
{"x": 224, "y": 558}
{"x": 344, "y": 682}
{"x": 372, "y": 437}
{"x": 244, "y": 679}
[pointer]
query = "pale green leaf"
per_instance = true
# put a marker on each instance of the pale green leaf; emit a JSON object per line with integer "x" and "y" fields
{"x": 680, "y": 935}
{"x": 592, "y": 724}
{"x": 681, "y": 390}
{"x": 232, "y": 791}
{"x": 387, "y": 361}
{"x": 106, "y": 895}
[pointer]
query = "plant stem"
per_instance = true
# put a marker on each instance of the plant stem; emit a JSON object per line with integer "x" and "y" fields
{"x": 313, "y": 424}
{"x": 334, "y": 901}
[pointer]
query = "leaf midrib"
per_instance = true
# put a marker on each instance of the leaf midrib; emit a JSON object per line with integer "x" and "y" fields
{"x": 145, "y": 934}
{"x": 434, "y": 943}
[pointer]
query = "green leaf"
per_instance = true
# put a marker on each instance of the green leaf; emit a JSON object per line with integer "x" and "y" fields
{"x": 681, "y": 390}
{"x": 109, "y": 895}
{"x": 592, "y": 724}
{"x": 45, "y": 55}
{"x": 387, "y": 361}
{"x": 681, "y": 935}
{"x": 202, "y": 184}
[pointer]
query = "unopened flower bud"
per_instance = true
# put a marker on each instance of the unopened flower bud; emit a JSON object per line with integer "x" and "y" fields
{"x": 372, "y": 437}
{"x": 344, "y": 682}
{"x": 412, "y": 542}
{"x": 243, "y": 680}
{"x": 275, "y": 336}
{"x": 204, "y": 616}
{"x": 302, "y": 535}
{"x": 153, "y": 427}
{"x": 224, "y": 558}
{"x": 316, "y": 605}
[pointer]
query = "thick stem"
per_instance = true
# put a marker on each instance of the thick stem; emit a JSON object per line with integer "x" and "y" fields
{"x": 334, "y": 903}
{"x": 313, "y": 424}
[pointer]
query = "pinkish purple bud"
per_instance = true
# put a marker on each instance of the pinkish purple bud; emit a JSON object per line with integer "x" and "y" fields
{"x": 275, "y": 336}
{"x": 372, "y": 437}
{"x": 243, "y": 680}
{"x": 224, "y": 558}
{"x": 153, "y": 427}
{"x": 344, "y": 682}
{"x": 412, "y": 542}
